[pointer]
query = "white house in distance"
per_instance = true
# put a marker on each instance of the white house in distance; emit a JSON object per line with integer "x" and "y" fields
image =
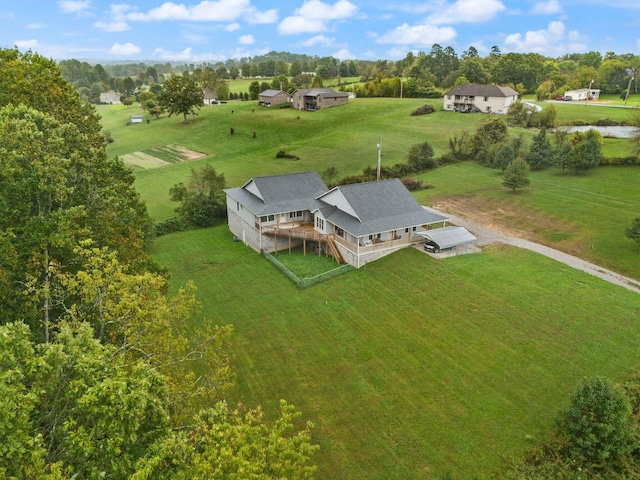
{"x": 582, "y": 94}
{"x": 469, "y": 97}
{"x": 354, "y": 223}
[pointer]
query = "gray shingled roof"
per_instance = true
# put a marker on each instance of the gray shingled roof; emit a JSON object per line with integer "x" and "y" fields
{"x": 325, "y": 92}
{"x": 280, "y": 193}
{"x": 380, "y": 207}
{"x": 471, "y": 89}
{"x": 272, "y": 93}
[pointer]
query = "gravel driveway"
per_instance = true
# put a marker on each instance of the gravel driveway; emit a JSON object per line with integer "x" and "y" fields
{"x": 487, "y": 236}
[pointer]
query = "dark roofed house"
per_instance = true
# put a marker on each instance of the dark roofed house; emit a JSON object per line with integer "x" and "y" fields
{"x": 469, "y": 97}
{"x": 354, "y": 223}
{"x": 313, "y": 99}
{"x": 269, "y": 98}
{"x": 209, "y": 97}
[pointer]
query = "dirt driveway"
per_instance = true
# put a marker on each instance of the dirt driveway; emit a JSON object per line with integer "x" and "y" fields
{"x": 487, "y": 236}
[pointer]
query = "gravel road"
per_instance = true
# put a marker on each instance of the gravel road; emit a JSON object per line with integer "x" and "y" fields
{"x": 487, "y": 236}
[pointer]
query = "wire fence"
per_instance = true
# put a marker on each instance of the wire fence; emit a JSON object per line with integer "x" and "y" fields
{"x": 307, "y": 281}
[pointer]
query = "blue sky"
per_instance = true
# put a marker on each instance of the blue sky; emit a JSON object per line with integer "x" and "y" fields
{"x": 210, "y": 31}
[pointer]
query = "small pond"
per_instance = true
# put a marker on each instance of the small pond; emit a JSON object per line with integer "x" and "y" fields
{"x": 612, "y": 131}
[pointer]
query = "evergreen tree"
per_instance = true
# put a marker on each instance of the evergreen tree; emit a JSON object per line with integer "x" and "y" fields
{"x": 540, "y": 153}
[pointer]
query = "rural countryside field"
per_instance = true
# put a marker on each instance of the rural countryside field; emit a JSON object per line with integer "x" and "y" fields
{"x": 410, "y": 366}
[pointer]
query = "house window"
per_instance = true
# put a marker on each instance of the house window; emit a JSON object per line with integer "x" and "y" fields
{"x": 406, "y": 230}
{"x": 298, "y": 213}
{"x": 486, "y": 99}
{"x": 488, "y": 109}
{"x": 448, "y": 97}
{"x": 263, "y": 219}
{"x": 319, "y": 223}
{"x": 414, "y": 229}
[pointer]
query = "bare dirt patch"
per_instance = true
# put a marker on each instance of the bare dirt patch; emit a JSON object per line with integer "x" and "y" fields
{"x": 516, "y": 221}
{"x": 189, "y": 154}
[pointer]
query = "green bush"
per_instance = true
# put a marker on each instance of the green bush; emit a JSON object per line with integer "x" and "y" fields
{"x": 423, "y": 110}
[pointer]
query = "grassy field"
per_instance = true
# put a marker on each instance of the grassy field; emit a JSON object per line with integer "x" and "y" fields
{"x": 584, "y": 215}
{"x": 412, "y": 365}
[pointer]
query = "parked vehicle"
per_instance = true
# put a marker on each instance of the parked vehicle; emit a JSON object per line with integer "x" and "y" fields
{"x": 559, "y": 97}
{"x": 568, "y": 98}
{"x": 431, "y": 247}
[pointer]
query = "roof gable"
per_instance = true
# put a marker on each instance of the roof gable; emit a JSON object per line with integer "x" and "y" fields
{"x": 471, "y": 89}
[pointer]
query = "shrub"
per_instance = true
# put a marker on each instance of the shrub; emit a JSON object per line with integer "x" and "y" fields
{"x": 170, "y": 225}
{"x": 414, "y": 184}
{"x": 282, "y": 153}
{"x": 423, "y": 110}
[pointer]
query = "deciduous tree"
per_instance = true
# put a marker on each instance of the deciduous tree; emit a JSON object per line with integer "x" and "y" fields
{"x": 516, "y": 175}
{"x": 489, "y": 136}
{"x": 181, "y": 95}
{"x": 633, "y": 231}
{"x": 586, "y": 152}
{"x": 202, "y": 200}
{"x": 597, "y": 423}
{"x": 234, "y": 443}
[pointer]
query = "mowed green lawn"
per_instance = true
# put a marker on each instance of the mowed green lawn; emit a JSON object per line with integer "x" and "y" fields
{"x": 412, "y": 365}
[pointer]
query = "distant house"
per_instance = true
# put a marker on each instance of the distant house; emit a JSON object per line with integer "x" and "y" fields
{"x": 582, "y": 94}
{"x": 353, "y": 223}
{"x": 479, "y": 98}
{"x": 312, "y": 99}
{"x": 209, "y": 97}
{"x": 110, "y": 98}
{"x": 270, "y": 98}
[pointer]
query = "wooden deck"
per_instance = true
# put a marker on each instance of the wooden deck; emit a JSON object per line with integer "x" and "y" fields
{"x": 305, "y": 231}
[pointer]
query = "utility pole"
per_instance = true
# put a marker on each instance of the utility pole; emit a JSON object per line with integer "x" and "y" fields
{"x": 628, "y": 89}
{"x": 379, "y": 156}
{"x": 586, "y": 100}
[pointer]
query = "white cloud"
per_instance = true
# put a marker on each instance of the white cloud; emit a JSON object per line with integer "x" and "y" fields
{"x": 206, "y": 11}
{"x": 78, "y": 7}
{"x": 552, "y": 41}
{"x": 115, "y": 26}
{"x": 313, "y": 16}
{"x": 418, "y": 35}
{"x": 319, "y": 40}
{"x": 27, "y": 44}
{"x": 344, "y": 54}
{"x": 256, "y": 17}
{"x": 232, "y": 27}
{"x": 548, "y": 7}
{"x": 294, "y": 25}
{"x": 36, "y": 26}
{"x": 466, "y": 11}
{"x": 246, "y": 40}
{"x": 124, "y": 49}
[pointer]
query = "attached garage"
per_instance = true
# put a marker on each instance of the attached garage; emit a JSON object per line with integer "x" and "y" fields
{"x": 446, "y": 238}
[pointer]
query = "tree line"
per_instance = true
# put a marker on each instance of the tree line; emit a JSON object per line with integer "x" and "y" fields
{"x": 420, "y": 74}
{"x": 103, "y": 374}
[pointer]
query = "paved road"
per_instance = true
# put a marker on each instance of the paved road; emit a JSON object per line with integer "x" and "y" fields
{"x": 487, "y": 236}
